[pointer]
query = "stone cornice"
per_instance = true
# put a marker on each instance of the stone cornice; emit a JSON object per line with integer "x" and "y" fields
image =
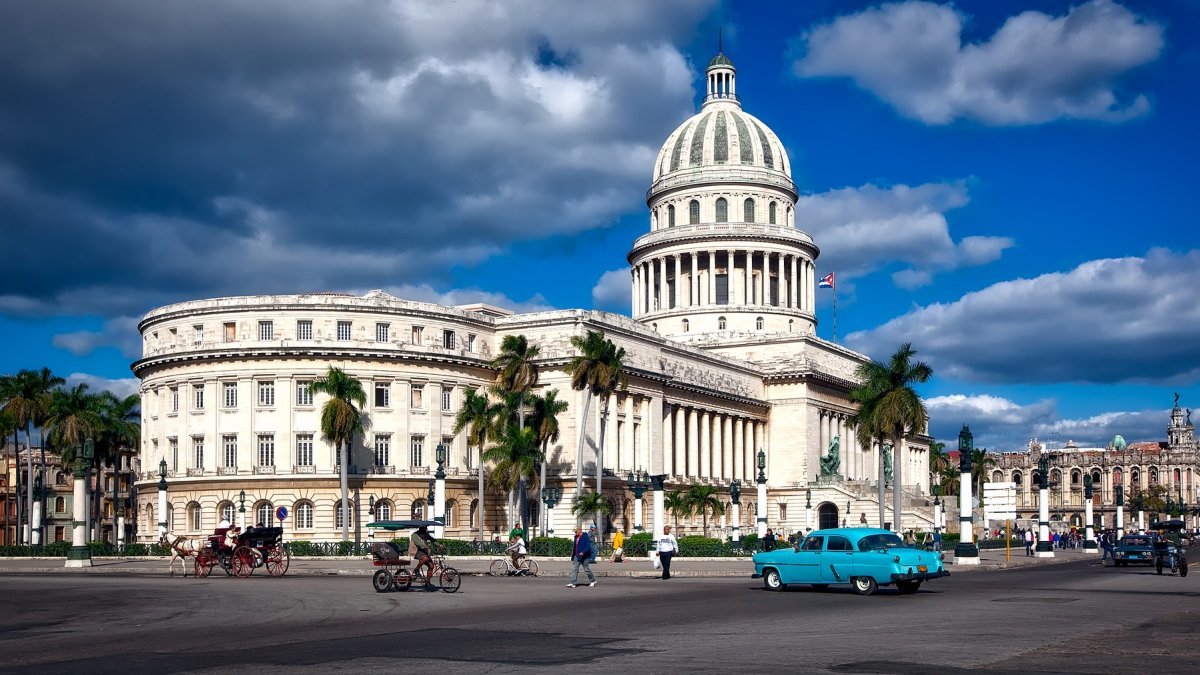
{"x": 706, "y": 234}
{"x": 142, "y": 366}
{"x": 717, "y": 176}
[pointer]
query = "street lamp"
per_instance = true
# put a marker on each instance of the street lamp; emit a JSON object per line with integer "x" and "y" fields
{"x": 36, "y": 522}
{"x": 162, "y": 497}
{"x": 735, "y": 495}
{"x": 638, "y": 483}
{"x": 807, "y": 510}
{"x": 1044, "y": 548}
{"x": 656, "y": 484}
{"x": 965, "y": 552}
{"x": 761, "y": 507}
{"x": 1089, "y": 537}
{"x": 1120, "y": 511}
{"x": 439, "y": 493}
{"x": 551, "y": 497}
{"x": 241, "y": 521}
{"x": 79, "y": 556}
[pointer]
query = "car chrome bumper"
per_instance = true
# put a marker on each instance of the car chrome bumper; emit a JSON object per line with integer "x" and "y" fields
{"x": 921, "y": 576}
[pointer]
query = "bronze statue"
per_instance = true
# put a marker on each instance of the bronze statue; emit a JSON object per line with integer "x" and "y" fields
{"x": 832, "y": 461}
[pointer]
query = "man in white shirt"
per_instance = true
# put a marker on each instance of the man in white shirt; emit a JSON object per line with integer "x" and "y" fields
{"x": 516, "y": 550}
{"x": 667, "y": 547}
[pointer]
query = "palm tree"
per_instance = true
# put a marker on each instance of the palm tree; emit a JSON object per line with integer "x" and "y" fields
{"x": 891, "y": 410}
{"x": 514, "y": 455}
{"x": 6, "y": 423}
{"x": 546, "y": 409}
{"x": 949, "y": 480}
{"x": 981, "y": 461}
{"x": 516, "y": 376}
{"x": 120, "y": 431}
{"x": 678, "y": 504}
{"x": 29, "y": 403}
{"x": 599, "y": 368}
{"x": 476, "y": 418}
{"x": 340, "y": 421}
{"x": 939, "y": 459}
{"x": 591, "y": 503}
{"x": 703, "y": 499}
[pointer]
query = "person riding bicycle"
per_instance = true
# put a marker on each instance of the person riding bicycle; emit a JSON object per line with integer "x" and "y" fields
{"x": 516, "y": 550}
{"x": 1175, "y": 542}
{"x": 419, "y": 544}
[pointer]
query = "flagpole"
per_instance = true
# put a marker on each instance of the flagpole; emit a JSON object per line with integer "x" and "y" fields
{"x": 835, "y": 313}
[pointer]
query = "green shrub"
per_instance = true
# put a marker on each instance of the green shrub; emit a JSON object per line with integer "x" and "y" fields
{"x": 638, "y": 545}
{"x": 303, "y": 548}
{"x": 558, "y": 547}
{"x": 135, "y": 550}
{"x": 57, "y": 548}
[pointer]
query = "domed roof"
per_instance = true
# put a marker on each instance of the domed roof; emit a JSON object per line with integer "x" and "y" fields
{"x": 1118, "y": 442}
{"x": 720, "y": 60}
{"x": 722, "y": 134}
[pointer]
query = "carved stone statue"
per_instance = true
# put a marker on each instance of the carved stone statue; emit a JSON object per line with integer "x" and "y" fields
{"x": 887, "y": 463}
{"x": 832, "y": 461}
{"x": 1189, "y": 417}
{"x": 1176, "y": 399}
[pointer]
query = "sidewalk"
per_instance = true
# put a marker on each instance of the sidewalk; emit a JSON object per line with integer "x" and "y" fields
{"x": 478, "y": 565}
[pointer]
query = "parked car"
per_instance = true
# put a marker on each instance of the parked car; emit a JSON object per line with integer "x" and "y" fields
{"x": 864, "y": 558}
{"x": 1134, "y": 549}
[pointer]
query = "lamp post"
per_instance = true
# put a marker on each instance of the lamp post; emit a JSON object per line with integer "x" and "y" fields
{"x": 439, "y": 492}
{"x": 1044, "y": 548}
{"x": 1120, "y": 511}
{"x": 1089, "y": 532}
{"x": 639, "y": 482}
{"x": 761, "y": 507}
{"x": 656, "y": 484}
{"x": 735, "y": 496}
{"x": 965, "y": 552}
{"x": 241, "y": 518}
{"x": 119, "y": 497}
{"x": 36, "y": 521}
{"x": 79, "y": 556}
{"x": 551, "y": 497}
{"x": 162, "y": 497}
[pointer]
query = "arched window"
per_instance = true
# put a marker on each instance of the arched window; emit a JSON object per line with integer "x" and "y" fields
{"x": 150, "y": 524}
{"x": 748, "y": 211}
{"x": 758, "y": 323}
{"x": 60, "y": 504}
{"x": 383, "y": 510}
{"x": 1135, "y": 478}
{"x": 685, "y": 325}
{"x": 1177, "y": 476}
{"x": 451, "y": 507}
{"x": 195, "y": 517}
{"x": 1076, "y": 478}
{"x": 225, "y": 511}
{"x": 771, "y": 212}
{"x": 654, "y": 220}
{"x": 655, "y": 327}
{"x": 171, "y": 517}
{"x": 720, "y": 323}
{"x": 263, "y": 513}
{"x": 1096, "y": 479}
{"x": 791, "y": 323}
{"x": 693, "y": 212}
{"x": 789, "y": 216}
{"x": 1153, "y": 476}
{"x": 418, "y": 510}
{"x": 671, "y": 215}
{"x": 722, "y": 210}
{"x": 475, "y": 513}
{"x": 304, "y": 516}
{"x": 533, "y": 513}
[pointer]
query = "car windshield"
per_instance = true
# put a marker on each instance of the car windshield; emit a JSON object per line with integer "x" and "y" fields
{"x": 1135, "y": 541}
{"x": 873, "y": 542}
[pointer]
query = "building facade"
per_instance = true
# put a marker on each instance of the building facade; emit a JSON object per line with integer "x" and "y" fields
{"x": 721, "y": 351}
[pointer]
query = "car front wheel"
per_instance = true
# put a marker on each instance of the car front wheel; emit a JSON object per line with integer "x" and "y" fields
{"x": 772, "y": 580}
{"x": 864, "y": 585}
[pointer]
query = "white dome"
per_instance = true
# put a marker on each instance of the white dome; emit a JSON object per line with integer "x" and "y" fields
{"x": 722, "y": 134}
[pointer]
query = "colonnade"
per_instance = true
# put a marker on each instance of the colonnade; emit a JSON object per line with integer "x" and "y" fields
{"x": 701, "y": 444}
{"x": 764, "y": 278}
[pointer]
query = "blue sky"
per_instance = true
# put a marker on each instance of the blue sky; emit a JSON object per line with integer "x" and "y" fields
{"x": 1006, "y": 185}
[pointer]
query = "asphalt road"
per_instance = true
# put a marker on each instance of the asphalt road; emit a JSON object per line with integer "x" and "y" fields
{"x": 1076, "y": 618}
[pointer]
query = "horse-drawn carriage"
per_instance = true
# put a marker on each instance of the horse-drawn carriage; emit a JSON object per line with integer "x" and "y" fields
{"x": 254, "y": 548}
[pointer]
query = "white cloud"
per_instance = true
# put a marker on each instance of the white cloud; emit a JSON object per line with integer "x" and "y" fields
{"x": 120, "y": 333}
{"x": 612, "y": 291}
{"x": 863, "y": 229}
{"x": 1116, "y": 320}
{"x": 122, "y": 387}
{"x": 1035, "y": 68}
{"x": 1000, "y": 424}
{"x": 465, "y": 296}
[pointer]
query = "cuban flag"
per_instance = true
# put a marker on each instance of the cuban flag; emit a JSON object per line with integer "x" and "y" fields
{"x": 826, "y": 281}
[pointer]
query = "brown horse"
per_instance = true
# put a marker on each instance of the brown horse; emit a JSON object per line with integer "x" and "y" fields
{"x": 182, "y": 548}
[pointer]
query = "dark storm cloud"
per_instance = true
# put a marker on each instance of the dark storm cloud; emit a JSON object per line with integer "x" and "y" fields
{"x": 151, "y": 152}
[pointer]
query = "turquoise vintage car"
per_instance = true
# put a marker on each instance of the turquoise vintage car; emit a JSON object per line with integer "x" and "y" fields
{"x": 865, "y": 558}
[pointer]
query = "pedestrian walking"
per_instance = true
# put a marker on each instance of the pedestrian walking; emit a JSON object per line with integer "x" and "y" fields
{"x": 618, "y": 546}
{"x": 581, "y": 554}
{"x": 937, "y": 540}
{"x": 1029, "y": 542}
{"x": 667, "y": 546}
{"x": 594, "y": 540}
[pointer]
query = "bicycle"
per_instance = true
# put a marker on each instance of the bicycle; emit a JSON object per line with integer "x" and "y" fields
{"x": 503, "y": 567}
{"x": 448, "y": 578}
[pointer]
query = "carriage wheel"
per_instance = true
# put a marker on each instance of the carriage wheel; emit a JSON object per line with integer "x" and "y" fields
{"x": 530, "y": 567}
{"x": 202, "y": 566}
{"x": 498, "y": 568}
{"x": 381, "y": 581}
{"x": 450, "y": 580}
{"x": 278, "y": 559}
{"x": 402, "y": 579}
{"x": 243, "y": 562}
{"x": 1182, "y": 566}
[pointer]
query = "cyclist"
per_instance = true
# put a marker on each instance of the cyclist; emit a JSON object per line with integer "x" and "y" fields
{"x": 419, "y": 543}
{"x": 1174, "y": 543}
{"x": 516, "y": 550}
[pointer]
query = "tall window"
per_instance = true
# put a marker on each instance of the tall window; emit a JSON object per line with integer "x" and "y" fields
{"x": 174, "y": 394}
{"x": 720, "y": 323}
{"x": 771, "y": 213}
{"x": 264, "y": 513}
{"x": 748, "y": 211}
{"x": 417, "y": 455}
{"x": 304, "y": 393}
{"x": 448, "y": 339}
{"x": 418, "y": 396}
{"x": 671, "y": 215}
{"x": 198, "y": 451}
{"x": 383, "y": 510}
{"x": 448, "y": 441}
{"x": 383, "y": 450}
{"x": 418, "y": 334}
{"x": 198, "y": 334}
{"x": 230, "y": 331}
{"x": 266, "y": 330}
{"x": 722, "y": 210}
{"x": 722, "y": 288}
{"x": 381, "y": 332}
{"x": 198, "y": 396}
{"x": 266, "y": 450}
{"x": 447, "y": 394}
{"x": 693, "y": 212}
{"x": 758, "y": 323}
{"x": 383, "y": 395}
{"x": 685, "y": 325}
{"x": 227, "y": 512}
{"x": 197, "y": 517}
{"x": 471, "y": 342}
{"x": 173, "y": 446}
{"x": 230, "y": 394}
{"x": 343, "y": 330}
{"x": 304, "y": 516}
{"x": 229, "y": 446}
{"x": 304, "y": 330}
{"x": 418, "y": 509}
{"x": 304, "y": 449}
{"x": 266, "y": 393}
{"x": 339, "y": 516}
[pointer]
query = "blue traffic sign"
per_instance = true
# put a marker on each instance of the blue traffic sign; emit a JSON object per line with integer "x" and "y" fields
{"x": 281, "y": 513}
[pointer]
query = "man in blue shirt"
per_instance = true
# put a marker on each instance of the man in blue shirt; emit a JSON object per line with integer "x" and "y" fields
{"x": 581, "y": 554}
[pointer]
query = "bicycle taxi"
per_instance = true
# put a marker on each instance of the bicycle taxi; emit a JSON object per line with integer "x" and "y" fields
{"x": 1167, "y": 555}
{"x": 388, "y": 556}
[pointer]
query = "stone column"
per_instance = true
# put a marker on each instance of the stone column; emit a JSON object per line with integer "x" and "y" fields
{"x": 705, "y": 445}
{"x": 793, "y": 287}
{"x": 656, "y": 483}
{"x": 693, "y": 466}
{"x": 1044, "y": 547}
{"x": 730, "y": 277}
{"x": 79, "y": 555}
{"x": 681, "y": 441}
{"x": 694, "y": 284}
{"x": 735, "y": 467}
{"x": 663, "y": 299}
{"x": 780, "y": 286}
{"x": 633, "y": 285}
{"x": 678, "y": 281}
{"x": 727, "y": 449}
{"x": 965, "y": 553}
{"x": 668, "y": 459}
{"x": 712, "y": 279}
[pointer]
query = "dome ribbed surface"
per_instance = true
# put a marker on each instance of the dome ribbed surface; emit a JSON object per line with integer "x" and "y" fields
{"x": 721, "y": 135}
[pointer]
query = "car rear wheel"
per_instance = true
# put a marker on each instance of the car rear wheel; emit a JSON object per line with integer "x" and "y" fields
{"x": 864, "y": 585}
{"x": 772, "y": 580}
{"x": 907, "y": 587}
